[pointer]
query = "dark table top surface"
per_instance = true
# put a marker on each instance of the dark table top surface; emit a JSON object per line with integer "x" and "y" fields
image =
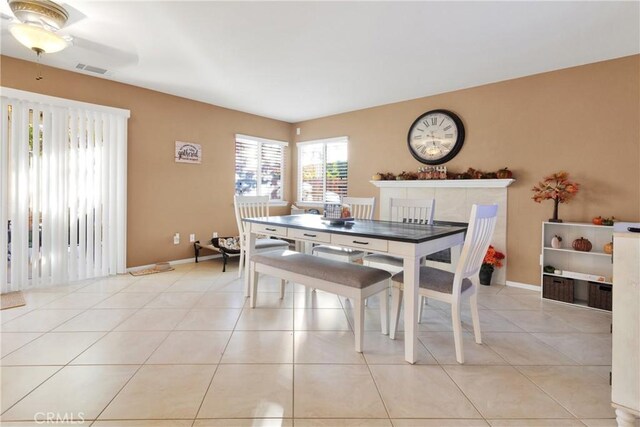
{"x": 388, "y": 230}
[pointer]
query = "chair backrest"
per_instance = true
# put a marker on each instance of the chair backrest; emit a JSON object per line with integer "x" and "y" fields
{"x": 361, "y": 207}
{"x": 413, "y": 211}
{"x": 249, "y": 207}
{"x": 481, "y": 225}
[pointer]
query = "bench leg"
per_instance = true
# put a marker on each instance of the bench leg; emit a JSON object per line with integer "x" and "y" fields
{"x": 241, "y": 263}
{"x": 384, "y": 311}
{"x": 358, "y": 316}
{"x": 225, "y": 257}
{"x": 254, "y": 276}
{"x": 396, "y": 303}
{"x": 283, "y": 283}
{"x": 196, "y": 249}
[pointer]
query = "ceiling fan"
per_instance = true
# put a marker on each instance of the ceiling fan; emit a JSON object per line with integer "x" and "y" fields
{"x": 37, "y": 25}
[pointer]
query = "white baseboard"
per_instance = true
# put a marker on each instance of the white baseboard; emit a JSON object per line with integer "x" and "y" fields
{"x": 523, "y": 286}
{"x": 174, "y": 262}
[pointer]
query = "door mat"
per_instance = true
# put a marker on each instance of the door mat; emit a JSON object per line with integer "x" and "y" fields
{"x": 149, "y": 271}
{"x": 12, "y": 300}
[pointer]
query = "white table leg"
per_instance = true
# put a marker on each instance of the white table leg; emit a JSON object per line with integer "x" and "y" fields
{"x": 249, "y": 250}
{"x": 624, "y": 418}
{"x": 411, "y": 286}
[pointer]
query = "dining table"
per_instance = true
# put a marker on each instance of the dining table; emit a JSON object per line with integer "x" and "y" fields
{"x": 410, "y": 241}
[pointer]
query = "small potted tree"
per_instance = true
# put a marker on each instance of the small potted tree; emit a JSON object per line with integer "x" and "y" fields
{"x": 556, "y": 187}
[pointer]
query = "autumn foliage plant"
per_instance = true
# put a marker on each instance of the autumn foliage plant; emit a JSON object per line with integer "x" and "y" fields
{"x": 492, "y": 259}
{"x": 556, "y": 187}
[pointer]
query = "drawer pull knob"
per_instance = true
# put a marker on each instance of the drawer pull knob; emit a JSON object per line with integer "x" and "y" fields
{"x": 271, "y": 229}
{"x": 310, "y": 235}
{"x": 360, "y": 243}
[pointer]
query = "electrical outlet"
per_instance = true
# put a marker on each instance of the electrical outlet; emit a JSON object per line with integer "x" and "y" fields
{"x": 192, "y": 238}
{"x": 215, "y": 234}
{"x": 297, "y": 131}
{"x": 176, "y": 239}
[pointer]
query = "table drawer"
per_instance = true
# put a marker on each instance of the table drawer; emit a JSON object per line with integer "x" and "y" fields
{"x": 359, "y": 242}
{"x": 272, "y": 230}
{"x": 310, "y": 236}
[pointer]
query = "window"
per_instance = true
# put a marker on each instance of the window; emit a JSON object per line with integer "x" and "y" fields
{"x": 259, "y": 167}
{"x": 322, "y": 170}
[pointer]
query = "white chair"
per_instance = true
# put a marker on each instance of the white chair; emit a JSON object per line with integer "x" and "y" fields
{"x": 251, "y": 207}
{"x": 411, "y": 211}
{"x": 450, "y": 287}
{"x": 361, "y": 208}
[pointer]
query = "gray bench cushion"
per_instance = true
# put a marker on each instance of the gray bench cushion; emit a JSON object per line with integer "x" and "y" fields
{"x": 343, "y": 273}
{"x": 271, "y": 243}
{"x": 335, "y": 250}
{"x": 384, "y": 259}
{"x": 435, "y": 280}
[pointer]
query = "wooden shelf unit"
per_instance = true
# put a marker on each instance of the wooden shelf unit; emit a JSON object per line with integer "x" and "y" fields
{"x": 565, "y": 258}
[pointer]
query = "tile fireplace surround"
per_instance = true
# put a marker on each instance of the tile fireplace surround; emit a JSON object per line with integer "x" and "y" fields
{"x": 453, "y": 203}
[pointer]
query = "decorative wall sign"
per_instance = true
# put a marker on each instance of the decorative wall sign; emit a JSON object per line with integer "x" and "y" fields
{"x": 188, "y": 152}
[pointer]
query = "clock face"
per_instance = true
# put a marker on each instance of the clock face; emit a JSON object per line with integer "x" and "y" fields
{"x": 436, "y": 137}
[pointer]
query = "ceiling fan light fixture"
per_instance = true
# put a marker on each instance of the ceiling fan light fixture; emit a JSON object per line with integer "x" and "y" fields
{"x": 38, "y": 38}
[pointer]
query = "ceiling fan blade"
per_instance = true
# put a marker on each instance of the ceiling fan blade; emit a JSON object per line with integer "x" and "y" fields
{"x": 74, "y": 15}
{"x": 94, "y": 53}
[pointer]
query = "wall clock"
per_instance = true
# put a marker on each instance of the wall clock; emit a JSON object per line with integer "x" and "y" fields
{"x": 436, "y": 137}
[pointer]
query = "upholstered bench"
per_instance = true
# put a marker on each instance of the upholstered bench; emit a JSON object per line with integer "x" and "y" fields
{"x": 352, "y": 281}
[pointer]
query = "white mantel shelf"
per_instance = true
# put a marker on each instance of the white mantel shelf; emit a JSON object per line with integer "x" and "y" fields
{"x": 445, "y": 183}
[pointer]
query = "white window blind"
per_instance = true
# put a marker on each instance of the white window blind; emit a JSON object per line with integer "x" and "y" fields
{"x": 323, "y": 170}
{"x": 259, "y": 167}
{"x": 63, "y": 190}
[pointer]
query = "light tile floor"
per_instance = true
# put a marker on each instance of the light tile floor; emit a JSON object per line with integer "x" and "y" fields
{"x": 183, "y": 349}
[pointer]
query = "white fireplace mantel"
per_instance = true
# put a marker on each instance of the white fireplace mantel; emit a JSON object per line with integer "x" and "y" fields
{"x": 445, "y": 183}
{"x": 454, "y": 198}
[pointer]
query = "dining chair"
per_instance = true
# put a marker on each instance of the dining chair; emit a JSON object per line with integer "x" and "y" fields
{"x": 361, "y": 208}
{"x": 248, "y": 207}
{"x": 451, "y": 287}
{"x": 411, "y": 211}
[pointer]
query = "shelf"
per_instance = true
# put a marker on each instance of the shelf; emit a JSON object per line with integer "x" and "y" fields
{"x": 580, "y": 224}
{"x": 577, "y": 252}
{"x": 567, "y": 277}
{"x": 445, "y": 183}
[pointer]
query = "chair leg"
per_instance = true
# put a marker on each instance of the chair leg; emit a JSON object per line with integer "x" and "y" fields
{"x": 384, "y": 311}
{"x": 475, "y": 317}
{"x": 282, "y": 285}
{"x": 253, "y": 284}
{"x": 358, "y": 315}
{"x": 457, "y": 331}
{"x": 396, "y": 303}
{"x": 241, "y": 262}
{"x": 421, "y": 308}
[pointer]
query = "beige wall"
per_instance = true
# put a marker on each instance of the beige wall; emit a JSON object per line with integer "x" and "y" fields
{"x": 584, "y": 120}
{"x": 164, "y": 197}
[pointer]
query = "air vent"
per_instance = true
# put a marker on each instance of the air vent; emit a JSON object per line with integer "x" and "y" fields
{"x": 91, "y": 69}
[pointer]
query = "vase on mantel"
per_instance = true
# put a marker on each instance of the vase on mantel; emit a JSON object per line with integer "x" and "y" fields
{"x": 486, "y": 271}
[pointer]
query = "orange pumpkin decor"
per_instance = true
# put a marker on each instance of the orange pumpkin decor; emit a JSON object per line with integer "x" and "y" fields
{"x": 597, "y": 220}
{"x": 582, "y": 245}
{"x": 608, "y": 248}
{"x": 504, "y": 173}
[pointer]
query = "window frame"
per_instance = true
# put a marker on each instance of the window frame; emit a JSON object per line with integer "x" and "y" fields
{"x": 324, "y": 142}
{"x": 260, "y": 142}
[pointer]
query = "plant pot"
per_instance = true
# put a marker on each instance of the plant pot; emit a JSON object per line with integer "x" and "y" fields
{"x": 485, "y": 274}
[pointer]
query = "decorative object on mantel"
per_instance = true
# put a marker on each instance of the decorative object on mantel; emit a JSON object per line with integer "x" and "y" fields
{"x": 556, "y": 187}
{"x": 597, "y": 220}
{"x": 188, "y": 152}
{"x": 492, "y": 259}
{"x": 556, "y": 242}
{"x": 427, "y": 173}
{"x": 582, "y": 245}
{"x": 603, "y": 221}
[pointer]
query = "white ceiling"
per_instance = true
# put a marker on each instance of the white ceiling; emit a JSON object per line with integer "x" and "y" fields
{"x": 300, "y": 60}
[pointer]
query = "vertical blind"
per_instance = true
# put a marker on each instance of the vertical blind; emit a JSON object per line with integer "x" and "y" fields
{"x": 259, "y": 167}
{"x": 63, "y": 190}
{"x": 323, "y": 170}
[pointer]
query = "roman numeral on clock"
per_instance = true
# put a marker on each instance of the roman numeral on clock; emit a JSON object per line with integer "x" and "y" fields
{"x": 448, "y": 127}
